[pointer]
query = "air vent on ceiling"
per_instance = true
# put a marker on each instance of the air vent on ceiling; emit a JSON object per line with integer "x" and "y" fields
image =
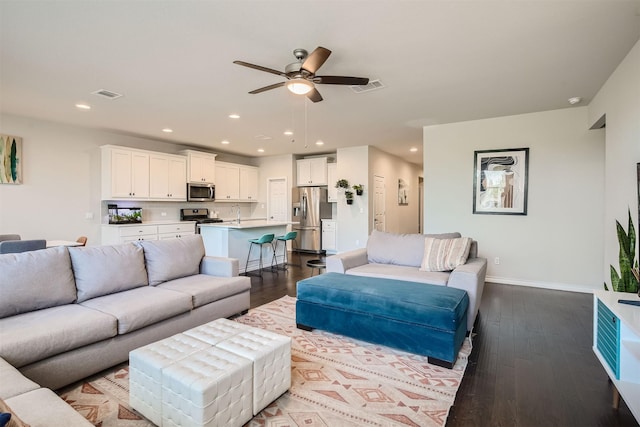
{"x": 107, "y": 94}
{"x": 372, "y": 85}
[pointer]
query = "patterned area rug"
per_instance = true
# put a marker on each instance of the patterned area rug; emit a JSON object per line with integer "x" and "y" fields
{"x": 336, "y": 381}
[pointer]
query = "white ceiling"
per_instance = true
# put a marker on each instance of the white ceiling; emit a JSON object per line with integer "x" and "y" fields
{"x": 440, "y": 62}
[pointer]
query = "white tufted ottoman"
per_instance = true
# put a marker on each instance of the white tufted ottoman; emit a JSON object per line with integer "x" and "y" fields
{"x": 146, "y": 365}
{"x": 199, "y": 377}
{"x": 271, "y": 356}
{"x": 212, "y": 387}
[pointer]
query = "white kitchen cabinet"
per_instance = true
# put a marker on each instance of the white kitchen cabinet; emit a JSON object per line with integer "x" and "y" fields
{"x": 201, "y": 167}
{"x": 329, "y": 235}
{"x": 167, "y": 177}
{"x": 175, "y": 231}
{"x": 332, "y": 178}
{"x": 312, "y": 172}
{"x": 125, "y": 173}
{"x": 227, "y": 182}
{"x": 249, "y": 183}
{"x": 236, "y": 183}
{"x": 113, "y": 234}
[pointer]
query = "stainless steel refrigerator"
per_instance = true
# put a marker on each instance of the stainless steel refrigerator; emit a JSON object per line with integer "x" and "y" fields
{"x": 309, "y": 207}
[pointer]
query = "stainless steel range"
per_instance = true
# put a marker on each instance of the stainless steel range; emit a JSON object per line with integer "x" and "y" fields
{"x": 200, "y": 216}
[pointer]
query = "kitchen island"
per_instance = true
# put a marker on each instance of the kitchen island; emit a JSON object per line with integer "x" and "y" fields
{"x": 231, "y": 239}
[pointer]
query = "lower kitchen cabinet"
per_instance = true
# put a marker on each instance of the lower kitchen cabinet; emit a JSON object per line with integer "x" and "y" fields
{"x": 113, "y": 234}
{"x": 329, "y": 236}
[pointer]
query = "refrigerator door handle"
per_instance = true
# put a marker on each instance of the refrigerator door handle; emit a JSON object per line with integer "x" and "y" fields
{"x": 304, "y": 206}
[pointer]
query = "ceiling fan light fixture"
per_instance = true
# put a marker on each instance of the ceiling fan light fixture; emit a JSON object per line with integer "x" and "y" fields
{"x": 299, "y": 86}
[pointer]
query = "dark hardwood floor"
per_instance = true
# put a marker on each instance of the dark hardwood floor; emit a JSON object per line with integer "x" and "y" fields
{"x": 532, "y": 363}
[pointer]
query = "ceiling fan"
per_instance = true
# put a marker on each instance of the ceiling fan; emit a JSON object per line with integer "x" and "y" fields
{"x": 301, "y": 76}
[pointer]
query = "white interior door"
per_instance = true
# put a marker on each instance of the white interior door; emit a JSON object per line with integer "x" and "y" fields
{"x": 278, "y": 199}
{"x": 379, "y": 203}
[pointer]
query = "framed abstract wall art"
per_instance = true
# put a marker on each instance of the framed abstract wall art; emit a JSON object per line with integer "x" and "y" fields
{"x": 500, "y": 181}
{"x": 10, "y": 159}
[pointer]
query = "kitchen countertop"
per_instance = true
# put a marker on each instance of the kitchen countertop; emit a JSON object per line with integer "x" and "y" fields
{"x": 247, "y": 223}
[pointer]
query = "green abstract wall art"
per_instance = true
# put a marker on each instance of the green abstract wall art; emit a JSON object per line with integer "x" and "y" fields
{"x": 10, "y": 159}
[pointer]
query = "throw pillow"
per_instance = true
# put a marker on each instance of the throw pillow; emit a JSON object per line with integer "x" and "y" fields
{"x": 445, "y": 254}
{"x": 8, "y": 418}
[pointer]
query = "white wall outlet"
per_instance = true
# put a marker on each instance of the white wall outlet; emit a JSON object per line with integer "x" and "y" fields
{"x": 361, "y": 210}
{"x": 88, "y": 215}
{"x": 496, "y": 260}
{"x": 163, "y": 214}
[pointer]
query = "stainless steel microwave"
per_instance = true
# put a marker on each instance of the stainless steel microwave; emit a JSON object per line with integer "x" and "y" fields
{"x": 200, "y": 192}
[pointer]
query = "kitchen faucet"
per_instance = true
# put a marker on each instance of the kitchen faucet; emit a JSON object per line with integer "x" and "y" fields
{"x": 237, "y": 213}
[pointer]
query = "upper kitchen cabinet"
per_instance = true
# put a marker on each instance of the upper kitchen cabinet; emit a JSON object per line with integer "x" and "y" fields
{"x": 236, "y": 183}
{"x": 227, "y": 182}
{"x": 168, "y": 177}
{"x": 332, "y": 178}
{"x": 201, "y": 167}
{"x": 125, "y": 173}
{"x": 249, "y": 183}
{"x": 312, "y": 172}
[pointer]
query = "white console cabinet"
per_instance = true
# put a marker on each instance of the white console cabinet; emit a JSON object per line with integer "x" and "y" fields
{"x": 616, "y": 343}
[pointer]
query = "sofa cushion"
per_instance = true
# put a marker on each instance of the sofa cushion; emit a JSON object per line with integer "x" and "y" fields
{"x": 172, "y": 258}
{"x": 13, "y": 382}
{"x": 104, "y": 270}
{"x": 8, "y": 418}
{"x": 52, "y": 411}
{"x": 30, "y": 337}
{"x": 140, "y": 307}
{"x": 400, "y": 272}
{"x": 205, "y": 289}
{"x": 34, "y": 280}
{"x": 445, "y": 254}
{"x": 399, "y": 249}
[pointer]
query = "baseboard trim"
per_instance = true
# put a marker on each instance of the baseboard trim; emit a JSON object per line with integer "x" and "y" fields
{"x": 585, "y": 289}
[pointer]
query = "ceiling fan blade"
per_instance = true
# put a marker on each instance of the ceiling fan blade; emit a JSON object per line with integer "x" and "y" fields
{"x": 316, "y": 59}
{"x": 266, "y": 88}
{"x": 260, "y": 68}
{"x": 314, "y": 95}
{"x": 341, "y": 80}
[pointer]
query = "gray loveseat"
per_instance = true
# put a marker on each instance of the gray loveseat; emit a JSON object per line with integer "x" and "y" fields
{"x": 67, "y": 313}
{"x": 400, "y": 256}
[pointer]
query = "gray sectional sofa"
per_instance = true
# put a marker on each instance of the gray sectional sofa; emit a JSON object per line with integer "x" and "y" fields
{"x": 400, "y": 256}
{"x": 67, "y": 313}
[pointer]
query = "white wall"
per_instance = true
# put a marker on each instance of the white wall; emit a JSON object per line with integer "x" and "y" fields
{"x": 399, "y": 218}
{"x": 352, "y": 220}
{"x": 619, "y": 100}
{"x": 559, "y": 243}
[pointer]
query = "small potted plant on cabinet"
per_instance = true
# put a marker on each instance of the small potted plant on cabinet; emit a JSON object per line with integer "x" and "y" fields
{"x": 359, "y": 189}
{"x": 349, "y": 195}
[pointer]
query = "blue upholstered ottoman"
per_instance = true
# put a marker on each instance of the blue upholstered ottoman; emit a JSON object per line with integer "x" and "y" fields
{"x": 429, "y": 320}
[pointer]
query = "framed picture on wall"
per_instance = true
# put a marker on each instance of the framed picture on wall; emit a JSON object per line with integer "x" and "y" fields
{"x": 10, "y": 159}
{"x": 500, "y": 181}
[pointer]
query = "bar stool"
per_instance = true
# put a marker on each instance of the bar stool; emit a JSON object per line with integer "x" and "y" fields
{"x": 266, "y": 239}
{"x": 284, "y": 239}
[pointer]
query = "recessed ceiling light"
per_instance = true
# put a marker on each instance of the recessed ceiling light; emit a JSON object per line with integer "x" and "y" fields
{"x": 225, "y": 142}
{"x": 574, "y": 100}
{"x": 234, "y": 116}
{"x": 260, "y": 150}
{"x": 167, "y": 130}
{"x": 83, "y": 106}
{"x": 413, "y": 149}
{"x": 288, "y": 132}
{"x": 319, "y": 143}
